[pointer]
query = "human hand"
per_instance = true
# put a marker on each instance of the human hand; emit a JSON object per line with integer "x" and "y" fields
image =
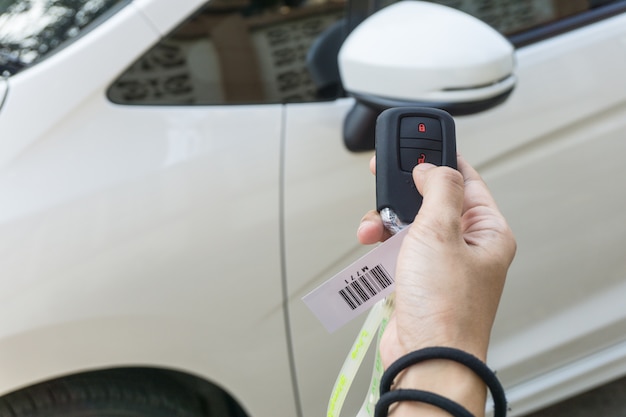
{"x": 449, "y": 278}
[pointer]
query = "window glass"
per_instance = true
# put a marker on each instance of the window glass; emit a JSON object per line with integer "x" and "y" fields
{"x": 514, "y": 16}
{"x": 30, "y": 30}
{"x": 238, "y": 52}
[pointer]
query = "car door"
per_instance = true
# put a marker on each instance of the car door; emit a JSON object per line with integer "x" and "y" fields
{"x": 551, "y": 154}
{"x": 137, "y": 206}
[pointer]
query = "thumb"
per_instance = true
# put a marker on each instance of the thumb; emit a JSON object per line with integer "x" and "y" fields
{"x": 442, "y": 189}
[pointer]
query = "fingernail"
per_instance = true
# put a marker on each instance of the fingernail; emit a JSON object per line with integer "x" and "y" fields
{"x": 361, "y": 226}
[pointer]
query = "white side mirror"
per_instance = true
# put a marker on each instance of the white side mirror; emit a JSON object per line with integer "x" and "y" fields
{"x": 415, "y": 53}
{"x": 419, "y": 52}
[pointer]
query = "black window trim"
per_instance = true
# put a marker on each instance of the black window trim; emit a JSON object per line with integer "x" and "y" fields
{"x": 567, "y": 24}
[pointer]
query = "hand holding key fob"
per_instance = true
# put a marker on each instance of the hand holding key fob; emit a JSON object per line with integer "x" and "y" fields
{"x": 405, "y": 137}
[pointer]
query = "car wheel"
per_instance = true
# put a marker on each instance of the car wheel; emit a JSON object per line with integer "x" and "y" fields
{"x": 110, "y": 393}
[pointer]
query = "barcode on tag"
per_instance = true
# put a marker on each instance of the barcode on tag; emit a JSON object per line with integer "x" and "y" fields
{"x": 366, "y": 286}
{"x": 358, "y": 287}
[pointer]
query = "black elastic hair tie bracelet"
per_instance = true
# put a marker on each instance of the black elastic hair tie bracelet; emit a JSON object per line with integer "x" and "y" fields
{"x": 446, "y": 404}
{"x": 456, "y": 355}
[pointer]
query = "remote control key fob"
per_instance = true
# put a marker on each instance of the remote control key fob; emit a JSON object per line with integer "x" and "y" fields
{"x": 405, "y": 137}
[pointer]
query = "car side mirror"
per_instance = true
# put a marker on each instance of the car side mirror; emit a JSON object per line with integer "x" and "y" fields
{"x": 415, "y": 53}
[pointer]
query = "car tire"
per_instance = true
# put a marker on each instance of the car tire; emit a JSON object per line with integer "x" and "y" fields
{"x": 110, "y": 393}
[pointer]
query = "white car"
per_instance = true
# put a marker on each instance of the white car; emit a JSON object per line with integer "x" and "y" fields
{"x": 174, "y": 177}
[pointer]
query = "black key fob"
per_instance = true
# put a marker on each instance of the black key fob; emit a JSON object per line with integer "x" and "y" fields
{"x": 405, "y": 137}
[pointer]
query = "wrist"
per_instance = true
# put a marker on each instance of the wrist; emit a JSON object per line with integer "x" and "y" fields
{"x": 397, "y": 342}
{"x": 446, "y": 378}
{"x": 454, "y": 380}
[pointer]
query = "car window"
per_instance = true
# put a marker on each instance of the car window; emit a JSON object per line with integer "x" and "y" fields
{"x": 237, "y": 52}
{"x": 31, "y": 30}
{"x": 531, "y": 20}
{"x": 512, "y": 16}
{"x": 285, "y": 51}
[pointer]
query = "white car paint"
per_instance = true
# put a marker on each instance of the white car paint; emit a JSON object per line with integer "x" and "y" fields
{"x": 160, "y": 236}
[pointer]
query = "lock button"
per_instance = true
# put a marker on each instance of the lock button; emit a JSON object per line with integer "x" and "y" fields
{"x": 420, "y": 127}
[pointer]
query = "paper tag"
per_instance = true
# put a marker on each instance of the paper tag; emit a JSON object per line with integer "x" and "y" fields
{"x": 358, "y": 287}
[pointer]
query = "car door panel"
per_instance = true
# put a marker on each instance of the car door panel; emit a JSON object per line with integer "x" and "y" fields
{"x": 327, "y": 190}
{"x": 552, "y": 156}
{"x": 138, "y": 235}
